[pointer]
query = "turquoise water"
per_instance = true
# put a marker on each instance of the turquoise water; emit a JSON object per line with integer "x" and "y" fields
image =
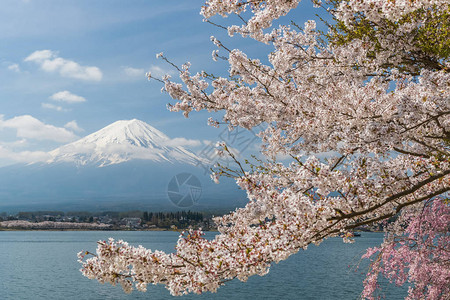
{"x": 43, "y": 265}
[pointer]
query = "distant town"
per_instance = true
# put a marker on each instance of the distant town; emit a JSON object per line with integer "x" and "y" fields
{"x": 130, "y": 220}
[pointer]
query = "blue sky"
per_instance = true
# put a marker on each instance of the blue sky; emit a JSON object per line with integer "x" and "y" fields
{"x": 69, "y": 68}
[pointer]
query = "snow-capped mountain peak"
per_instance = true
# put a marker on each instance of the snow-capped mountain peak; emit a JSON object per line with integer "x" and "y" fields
{"x": 123, "y": 141}
{"x": 133, "y": 132}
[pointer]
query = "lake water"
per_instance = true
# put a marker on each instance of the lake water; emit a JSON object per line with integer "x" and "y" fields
{"x": 43, "y": 265}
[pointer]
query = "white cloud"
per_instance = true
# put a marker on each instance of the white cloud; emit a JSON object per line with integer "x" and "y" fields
{"x": 40, "y": 56}
{"x": 52, "y": 106}
{"x": 176, "y": 142}
{"x": 24, "y": 156}
{"x": 32, "y": 128}
{"x": 66, "y": 96}
{"x": 16, "y": 144}
{"x": 157, "y": 71}
{"x": 73, "y": 126}
{"x": 133, "y": 72}
{"x": 14, "y": 68}
{"x": 50, "y": 62}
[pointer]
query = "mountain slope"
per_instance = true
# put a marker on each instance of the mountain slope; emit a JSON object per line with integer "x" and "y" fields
{"x": 123, "y": 141}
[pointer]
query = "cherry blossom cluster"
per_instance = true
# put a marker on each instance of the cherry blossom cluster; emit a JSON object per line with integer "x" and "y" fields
{"x": 376, "y": 10}
{"x": 419, "y": 256}
{"x": 263, "y": 13}
{"x": 367, "y": 136}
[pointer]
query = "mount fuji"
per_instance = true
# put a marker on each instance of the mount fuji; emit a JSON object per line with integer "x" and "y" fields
{"x": 127, "y": 165}
{"x": 123, "y": 141}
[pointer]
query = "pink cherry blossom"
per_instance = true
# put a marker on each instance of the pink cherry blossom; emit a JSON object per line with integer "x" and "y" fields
{"x": 420, "y": 256}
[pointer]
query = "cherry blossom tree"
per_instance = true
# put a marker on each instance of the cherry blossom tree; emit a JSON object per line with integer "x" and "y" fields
{"x": 363, "y": 112}
{"x": 420, "y": 256}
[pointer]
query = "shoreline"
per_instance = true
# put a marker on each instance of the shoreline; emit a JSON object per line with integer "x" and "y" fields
{"x": 97, "y": 229}
{"x": 83, "y": 229}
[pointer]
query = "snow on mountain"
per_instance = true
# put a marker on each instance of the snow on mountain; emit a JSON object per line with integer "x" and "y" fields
{"x": 123, "y": 141}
